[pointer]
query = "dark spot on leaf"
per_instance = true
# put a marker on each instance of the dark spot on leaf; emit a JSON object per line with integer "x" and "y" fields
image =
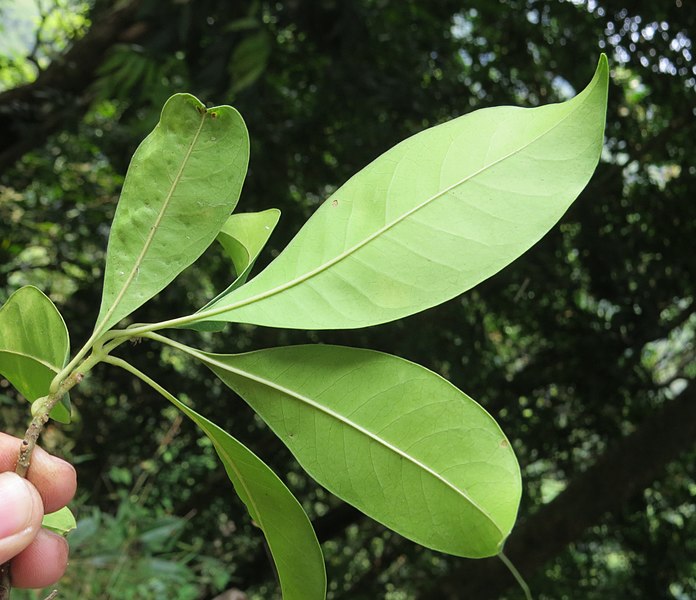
{"x": 334, "y": 203}
{"x": 504, "y": 443}
{"x": 213, "y": 115}
{"x": 201, "y": 109}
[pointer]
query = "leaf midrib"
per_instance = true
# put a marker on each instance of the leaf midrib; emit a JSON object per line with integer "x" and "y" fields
{"x": 153, "y": 230}
{"x": 351, "y": 424}
{"x": 346, "y": 253}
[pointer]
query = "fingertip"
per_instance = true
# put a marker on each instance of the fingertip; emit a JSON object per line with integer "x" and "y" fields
{"x": 55, "y": 478}
{"x": 21, "y": 511}
{"x": 43, "y": 563}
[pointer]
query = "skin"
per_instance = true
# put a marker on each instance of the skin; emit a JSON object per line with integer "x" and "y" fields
{"x": 39, "y": 557}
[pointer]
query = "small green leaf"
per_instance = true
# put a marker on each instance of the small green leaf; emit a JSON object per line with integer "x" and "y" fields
{"x": 183, "y": 182}
{"x": 431, "y": 218}
{"x": 243, "y": 237}
{"x": 61, "y": 522}
{"x": 388, "y": 436}
{"x": 34, "y": 346}
{"x": 289, "y": 533}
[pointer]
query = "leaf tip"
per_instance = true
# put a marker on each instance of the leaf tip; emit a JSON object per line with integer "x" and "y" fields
{"x": 603, "y": 64}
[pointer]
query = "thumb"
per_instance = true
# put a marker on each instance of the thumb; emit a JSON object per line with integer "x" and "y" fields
{"x": 21, "y": 512}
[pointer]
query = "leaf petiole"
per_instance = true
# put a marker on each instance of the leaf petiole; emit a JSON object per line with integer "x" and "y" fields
{"x": 516, "y": 574}
{"x": 100, "y": 347}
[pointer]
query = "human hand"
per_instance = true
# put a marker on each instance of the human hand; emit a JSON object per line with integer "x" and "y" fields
{"x": 39, "y": 557}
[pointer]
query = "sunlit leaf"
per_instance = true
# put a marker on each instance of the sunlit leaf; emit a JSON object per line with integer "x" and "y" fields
{"x": 430, "y": 218}
{"x": 392, "y": 438}
{"x": 183, "y": 182}
{"x": 34, "y": 346}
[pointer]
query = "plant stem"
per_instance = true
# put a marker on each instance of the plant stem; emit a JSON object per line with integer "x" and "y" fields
{"x": 24, "y": 461}
{"x": 40, "y": 419}
{"x": 148, "y": 327}
{"x": 58, "y": 379}
{"x": 126, "y": 366}
{"x": 99, "y": 349}
{"x": 41, "y": 410}
{"x": 516, "y": 574}
{"x": 179, "y": 346}
{"x": 204, "y": 314}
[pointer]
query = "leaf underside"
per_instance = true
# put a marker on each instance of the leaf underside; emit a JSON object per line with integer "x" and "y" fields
{"x": 183, "y": 182}
{"x": 432, "y": 217}
{"x": 392, "y": 438}
{"x": 243, "y": 236}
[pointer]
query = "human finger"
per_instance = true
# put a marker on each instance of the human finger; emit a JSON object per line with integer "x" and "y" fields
{"x": 42, "y": 563}
{"x": 21, "y": 512}
{"x": 54, "y": 478}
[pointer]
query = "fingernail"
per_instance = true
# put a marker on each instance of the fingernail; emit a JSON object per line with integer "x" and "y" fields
{"x": 16, "y": 504}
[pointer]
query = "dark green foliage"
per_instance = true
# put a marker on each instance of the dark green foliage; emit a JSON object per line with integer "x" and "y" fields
{"x": 560, "y": 347}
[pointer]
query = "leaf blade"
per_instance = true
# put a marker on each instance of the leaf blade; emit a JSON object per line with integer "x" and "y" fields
{"x": 371, "y": 406}
{"x": 430, "y": 218}
{"x": 183, "y": 181}
{"x": 61, "y": 522}
{"x": 34, "y": 346}
{"x": 243, "y": 236}
{"x": 288, "y": 531}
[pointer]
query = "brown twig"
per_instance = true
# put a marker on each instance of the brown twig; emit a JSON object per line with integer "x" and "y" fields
{"x": 41, "y": 412}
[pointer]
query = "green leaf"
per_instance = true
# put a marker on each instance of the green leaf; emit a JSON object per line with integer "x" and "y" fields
{"x": 183, "y": 182}
{"x": 243, "y": 237}
{"x": 388, "y": 436}
{"x": 291, "y": 538}
{"x": 61, "y": 522}
{"x": 289, "y": 533}
{"x": 34, "y": 346}
{"x": 432, "y": 217}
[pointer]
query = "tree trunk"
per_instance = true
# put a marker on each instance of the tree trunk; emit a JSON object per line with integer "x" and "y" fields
{"x": 31, "y": 112}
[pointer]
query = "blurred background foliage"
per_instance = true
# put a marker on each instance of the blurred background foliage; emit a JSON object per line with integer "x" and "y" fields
{"x": 583, "y": 349}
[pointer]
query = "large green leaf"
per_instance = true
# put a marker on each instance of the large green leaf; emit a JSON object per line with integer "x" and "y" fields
{"x": 430, "y": 218}
{"x": 34, "y": 346}
{"x": 289, "y": 533}
{"x": 388, "y": 436}
{"x": 183, "y": 182}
